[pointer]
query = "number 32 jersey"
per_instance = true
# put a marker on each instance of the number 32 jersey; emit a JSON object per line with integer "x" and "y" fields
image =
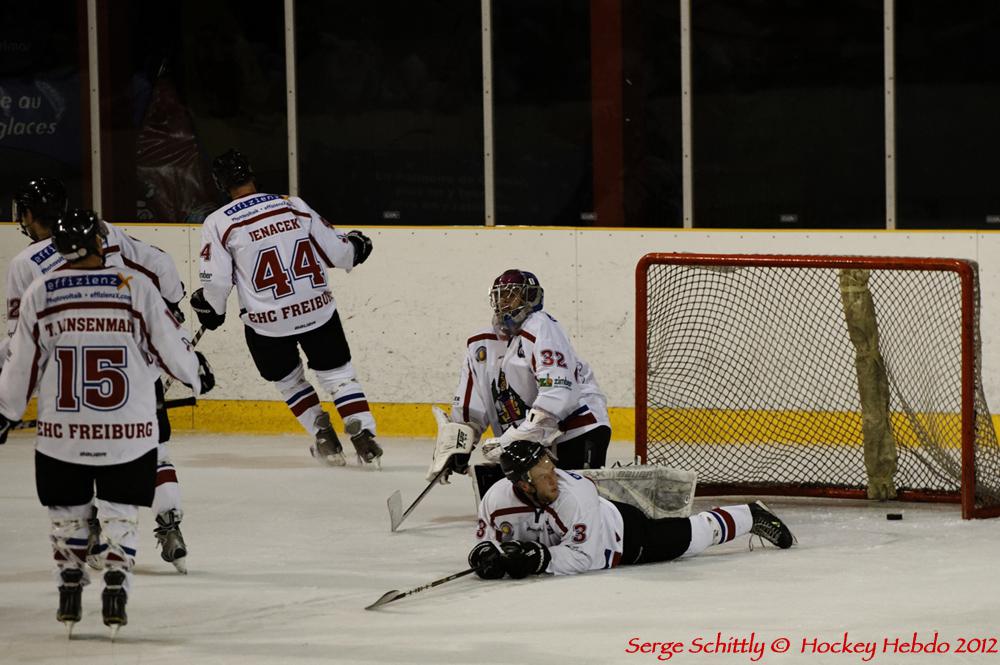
{"x": 582, "y": 530}
{"x": 276, "y": 251}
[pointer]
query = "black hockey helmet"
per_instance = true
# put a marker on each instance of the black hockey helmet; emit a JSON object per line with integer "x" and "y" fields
{"x": 231, "y": 169}
{"x": 78, "y": 234}
{"x": 44, "y": 197}
{"x": 519, "y": 457}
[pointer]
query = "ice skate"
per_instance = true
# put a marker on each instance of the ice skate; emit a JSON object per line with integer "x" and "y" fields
{"x": 769, "y": 527}
{"x": 170, "y": 540}
{"x": 364, "y": 443}
{"x": 94, "y": 548}
{"x": 70, "y": 592}
{"x": 327, "y": 448}
{"x": 113, "y": 600}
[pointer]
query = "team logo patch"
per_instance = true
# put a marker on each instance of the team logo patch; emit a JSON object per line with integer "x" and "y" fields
{"x": 506, "y": 531}
{"x": 510, "y": 407}
{"x": 481, "y": 354}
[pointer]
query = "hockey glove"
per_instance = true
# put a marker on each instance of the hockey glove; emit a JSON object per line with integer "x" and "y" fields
{"x": 487, "y": 560}
{"x": 524, "y": 557}
{"x": 206, "y": 315}
{"x": 362, "y": 246}
{"x": 6, "y": 425}
{"x": 205, "y": 373}
{"x": 175, "y": 310}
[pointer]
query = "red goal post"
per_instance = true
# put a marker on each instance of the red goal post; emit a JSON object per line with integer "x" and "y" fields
{"x": 833, "y": 376}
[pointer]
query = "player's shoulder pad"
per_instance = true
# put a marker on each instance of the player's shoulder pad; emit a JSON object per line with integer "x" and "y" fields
{"x": 482, "y": 335}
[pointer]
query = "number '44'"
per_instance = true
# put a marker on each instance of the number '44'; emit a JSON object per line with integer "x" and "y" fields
{"x": 271, "y": 274}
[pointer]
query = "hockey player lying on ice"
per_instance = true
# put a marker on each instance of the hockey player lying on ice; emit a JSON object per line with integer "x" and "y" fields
{"x": 546, "y": 520}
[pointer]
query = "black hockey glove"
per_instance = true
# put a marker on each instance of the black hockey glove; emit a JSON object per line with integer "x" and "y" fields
{"x": 487, "y": 560}
{"x": 175, "y": 310}
{"x": 205, "y": 373}
{"x": 523, "y": 558}
{"x": 206, "y": 315}
{"x": 362, "y": 246}
{"x": 6, "y": 425}
{"x": 459, "y": 462}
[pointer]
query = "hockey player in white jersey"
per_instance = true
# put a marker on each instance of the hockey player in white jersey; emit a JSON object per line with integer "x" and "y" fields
{"x": 522, "y": 377}
{"x": 36, "y": 207}
{"x": 547, "y": 520}
{"x": 276, "y": 251}
{"x": 93, "y": 339}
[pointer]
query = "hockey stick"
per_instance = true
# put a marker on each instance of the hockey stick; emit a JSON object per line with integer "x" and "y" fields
{"x": 395, "y": 503}
{"x": 169, "y": 404}
{"x": 194, "y": 342}
{"x": 390, "y": 596}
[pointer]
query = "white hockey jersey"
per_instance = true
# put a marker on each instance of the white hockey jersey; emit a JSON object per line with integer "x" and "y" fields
{"x": 276, "y": 251}
{"x": 120, "y": 249}
{"x": 502, "y": 379}
{"x": 582, "y": 530}
{"x": 90, "y": 341}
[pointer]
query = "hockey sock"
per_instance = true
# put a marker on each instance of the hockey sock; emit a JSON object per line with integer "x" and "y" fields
{"x": 301, "y": 398}
{"x": 347, "y": 395}
{"x": 717, "y": 526}
{"x": 69, "y": 537}
{"x": 168, "y": 491}
{"x": 119, "y": 526}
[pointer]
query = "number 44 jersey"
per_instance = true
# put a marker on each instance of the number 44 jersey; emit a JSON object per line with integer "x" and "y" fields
{"x": 90, "y": 341}
{"x": 276, "y": 251}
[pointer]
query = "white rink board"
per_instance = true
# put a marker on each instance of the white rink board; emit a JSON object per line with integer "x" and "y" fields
{"x": 409, "y": 309}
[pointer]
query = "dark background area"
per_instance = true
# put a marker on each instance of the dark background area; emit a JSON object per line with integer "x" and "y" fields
{"x": 788, "y": 116}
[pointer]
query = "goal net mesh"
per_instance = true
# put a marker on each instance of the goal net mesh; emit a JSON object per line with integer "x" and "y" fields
{"x": 760, "y": 376}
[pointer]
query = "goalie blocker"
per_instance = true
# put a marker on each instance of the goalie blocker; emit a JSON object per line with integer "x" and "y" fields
{"x": 541, "y": 519}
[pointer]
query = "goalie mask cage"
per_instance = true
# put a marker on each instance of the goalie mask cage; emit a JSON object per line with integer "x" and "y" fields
{"x": 830, "y": 376}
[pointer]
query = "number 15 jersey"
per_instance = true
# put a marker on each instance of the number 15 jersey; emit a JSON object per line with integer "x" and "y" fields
{"x": 276, "y": 251}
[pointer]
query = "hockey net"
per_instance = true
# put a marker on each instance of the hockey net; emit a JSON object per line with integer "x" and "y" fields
{"x": 816, "y": 375}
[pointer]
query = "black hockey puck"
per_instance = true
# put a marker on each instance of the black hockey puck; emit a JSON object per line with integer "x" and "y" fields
{"x": 894, "y": 516}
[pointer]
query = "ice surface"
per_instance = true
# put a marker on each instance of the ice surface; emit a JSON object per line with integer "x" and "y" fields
{"x": 285, "y": 554}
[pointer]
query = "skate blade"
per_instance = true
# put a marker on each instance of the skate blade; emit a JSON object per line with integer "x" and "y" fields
{"x": 328, "y": 460}
{"x": 115, "y": 627}
{"x": 69, "y": 628}
{"x": 181, "y": 565}
{"x": 375, "y": 463}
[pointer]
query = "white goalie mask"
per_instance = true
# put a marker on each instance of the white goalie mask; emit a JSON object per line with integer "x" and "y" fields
{"x": 515, "y": 295}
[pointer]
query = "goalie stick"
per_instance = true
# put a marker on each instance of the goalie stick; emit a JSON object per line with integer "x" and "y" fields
{"x": 390, "y": 596}
{"x": 168, "y": 404}
{"x": 395, "y": 503}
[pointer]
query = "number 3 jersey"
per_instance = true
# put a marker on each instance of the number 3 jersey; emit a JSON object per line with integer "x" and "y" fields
{"x": 90, "y": 341}
{"x": 276, "y": 251}
{"x": 503, "y": 378}
{"x": 582, "y": 530}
